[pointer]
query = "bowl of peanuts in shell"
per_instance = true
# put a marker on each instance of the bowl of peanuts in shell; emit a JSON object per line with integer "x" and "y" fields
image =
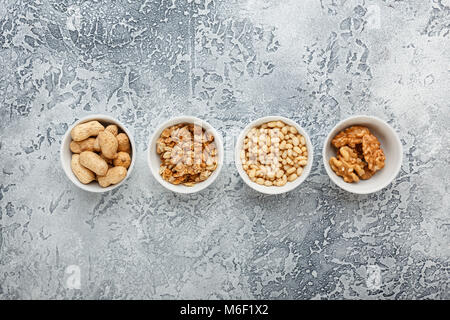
{"x": 273, "y": 155}
{"x": 97, "y": 153}
{"x": 185, "y": 154}
{"x": 362, "y": 154}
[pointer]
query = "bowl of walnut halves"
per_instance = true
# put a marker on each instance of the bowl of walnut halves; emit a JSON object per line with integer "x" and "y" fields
{"x": 362, "y": 154}
{"x": 185, "y": 154}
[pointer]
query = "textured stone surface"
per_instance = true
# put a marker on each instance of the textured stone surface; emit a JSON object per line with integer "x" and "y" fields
{"x": 228, "y": 62}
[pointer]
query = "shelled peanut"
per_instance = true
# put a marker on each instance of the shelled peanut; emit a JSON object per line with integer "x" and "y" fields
{"x": 274, "y": 154}
{"x": 99, "y": 153}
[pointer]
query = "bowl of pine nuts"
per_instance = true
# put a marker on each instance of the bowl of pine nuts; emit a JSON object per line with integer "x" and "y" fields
{"x": 273, "y": 155}
{"x": 185, "y": 154}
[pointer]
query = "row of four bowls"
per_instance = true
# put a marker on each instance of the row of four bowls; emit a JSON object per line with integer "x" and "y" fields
{"x": 386, "y": 134}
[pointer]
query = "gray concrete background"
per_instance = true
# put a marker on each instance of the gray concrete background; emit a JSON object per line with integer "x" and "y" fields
{"x": 227, "y": 62}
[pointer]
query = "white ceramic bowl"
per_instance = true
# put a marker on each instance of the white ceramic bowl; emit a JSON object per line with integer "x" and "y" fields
{"x": 390, "y": 143}
{"x": 154, "y": 161}
{"x": 66, "y": 154}
{"x": 273, "y": 189}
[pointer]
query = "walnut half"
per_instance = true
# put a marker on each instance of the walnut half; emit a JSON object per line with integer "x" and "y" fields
{"x": 373, "y": 154}
{"x": 348, "y": 165}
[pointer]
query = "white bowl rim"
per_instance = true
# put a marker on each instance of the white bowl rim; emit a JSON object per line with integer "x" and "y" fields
{"x": 273, "y": 190}
{"x": 331, "y": 173}
{"x": 101, "y": 118}
{"x": 181, "y": 188}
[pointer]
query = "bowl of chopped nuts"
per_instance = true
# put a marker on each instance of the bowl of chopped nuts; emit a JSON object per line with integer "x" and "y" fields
{"x": 362, "y": 154}
{"x": 185, "y": 154}
{"x": 273, "y": 155}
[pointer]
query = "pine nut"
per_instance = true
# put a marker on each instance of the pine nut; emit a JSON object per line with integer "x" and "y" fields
{"x": 267, "y": 183}
{"x": 291, "y": 170}
{"x": 280, "y": 173}
{"x": 302, "y": 140}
